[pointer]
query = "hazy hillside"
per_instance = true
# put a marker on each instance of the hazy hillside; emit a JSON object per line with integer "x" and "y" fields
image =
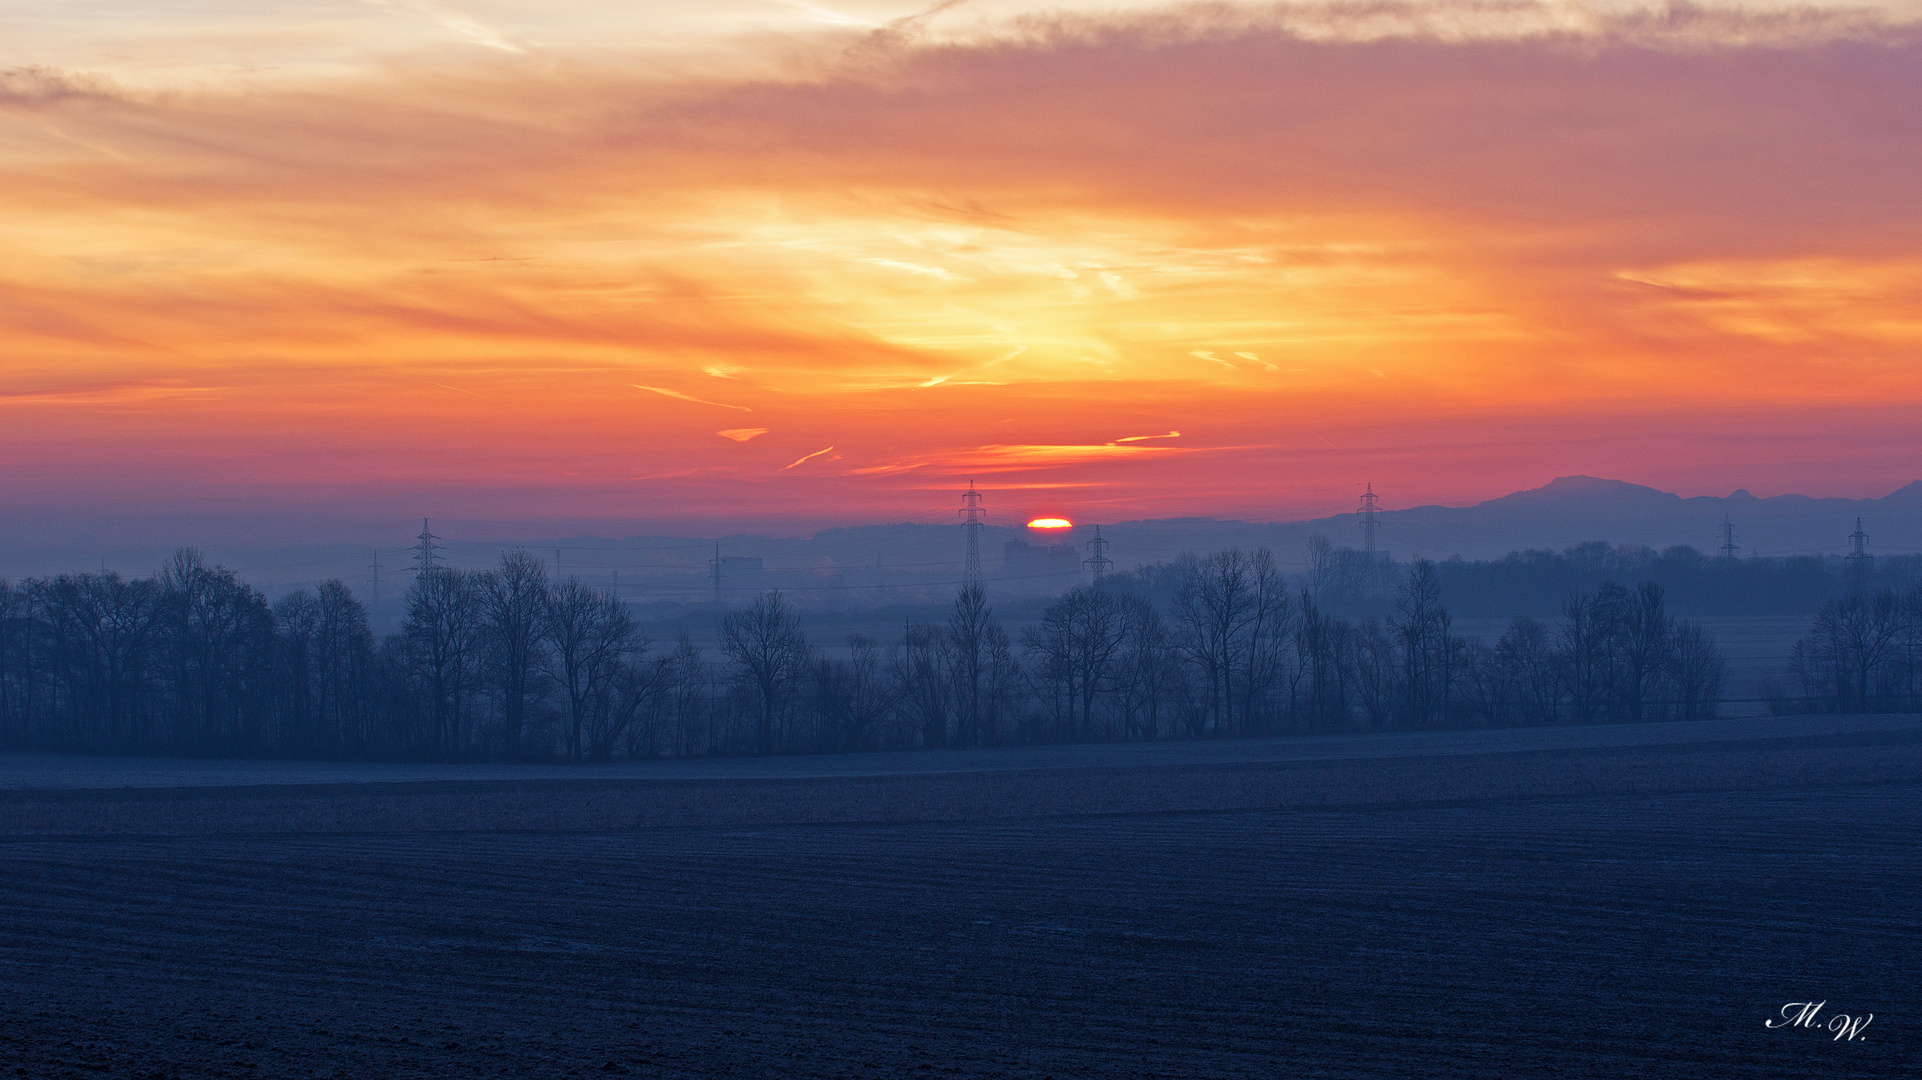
{"x": 1566, "y": 511}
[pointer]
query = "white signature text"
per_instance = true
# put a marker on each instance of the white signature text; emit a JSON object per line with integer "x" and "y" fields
{"x": 1806, "y": 1014}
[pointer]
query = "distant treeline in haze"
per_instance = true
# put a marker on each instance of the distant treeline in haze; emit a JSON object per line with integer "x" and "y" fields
{"x": 508, "y": 663}
{"x": 1539, "y": 582}
{"x": 1695, "y": 582}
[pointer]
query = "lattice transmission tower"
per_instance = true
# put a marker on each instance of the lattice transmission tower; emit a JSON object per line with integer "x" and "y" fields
{"x": 1859, "y": 547}
{"x": 971, "y": 517}
{"x": 427, "y": 557}
{"x": 1100, "y": 562}
{"x": 1729, "y": 550}
{"x": 1370, "y": 520}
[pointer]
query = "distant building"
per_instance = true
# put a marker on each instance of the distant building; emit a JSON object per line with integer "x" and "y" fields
{"x": 1030, "y": 564}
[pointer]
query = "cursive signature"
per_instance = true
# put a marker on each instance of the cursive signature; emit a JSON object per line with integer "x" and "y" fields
{"x": 1805, "y": 1014}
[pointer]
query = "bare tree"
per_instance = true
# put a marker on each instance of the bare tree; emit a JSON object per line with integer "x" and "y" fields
{"x": 1324, "y": 667}
{"x": 922, "y": 682}
{"x": 1213, "y": 607}
{"x": 1589, "y": 650}
{"x": 1484, "y": 689}
{"x": 1699, "y": 672}
{"x": 344, "y": 657}
{"x": 1908, "y": 683}
{"x": 973, "y": 639}
{"x": 687, "y": 698}
{"x": 513, "y": 602}
{"x": 1429, "y": 651}
{"x": 1377, "y": 662}
{"x": 103, "y": 632}
{"x": 1853, "y": 639}
{"x": 626, "y": 700}
{"x": 217, "y": 635}
{"x": 850, "y": 696}
{"x": 439, "y": 634}
{"x": 1147, "y": 673}
{"x": 1078, "y": 642}
{"x": 327, "y": 666}
{"x": 16, "y": 663}
{"x": 769, "y": 651}
{"x": 589, "y": 637}
{"x": 298, "y": 615}
{"x": 1321, "y": 565}
{"x": 1265, "y": 654}
{"x": 1647, "y": 647}
{"x": 1526, "y": 655}
{"x": 848, "y": 699}
{"x": 870, "y": 695}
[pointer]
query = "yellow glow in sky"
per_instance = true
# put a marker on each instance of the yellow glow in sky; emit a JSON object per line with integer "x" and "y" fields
{"x": 762, "y": 262}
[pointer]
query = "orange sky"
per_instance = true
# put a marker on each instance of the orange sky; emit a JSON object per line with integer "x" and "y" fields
{"x": 780, "y": 264}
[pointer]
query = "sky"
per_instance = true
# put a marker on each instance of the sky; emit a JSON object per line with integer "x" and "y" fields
{"x": 307, "y": 269}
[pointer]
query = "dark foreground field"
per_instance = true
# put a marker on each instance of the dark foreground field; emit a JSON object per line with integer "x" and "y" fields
{"x": 1621, "y": 934}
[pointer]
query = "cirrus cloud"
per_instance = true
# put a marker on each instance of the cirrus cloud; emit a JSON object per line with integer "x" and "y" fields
{"x": 1236, "y": 220}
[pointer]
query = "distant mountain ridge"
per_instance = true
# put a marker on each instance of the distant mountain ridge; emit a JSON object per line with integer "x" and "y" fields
{"x": 1566, "y": 511}
{"x": 1574, "y": 509}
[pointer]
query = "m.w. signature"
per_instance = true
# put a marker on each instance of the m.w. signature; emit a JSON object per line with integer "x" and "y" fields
{"x": 1804, "y": 1014}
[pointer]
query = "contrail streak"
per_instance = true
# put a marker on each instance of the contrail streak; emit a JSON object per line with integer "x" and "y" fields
{"x": 664, "y": 392}
{"x": 798, "y": 461}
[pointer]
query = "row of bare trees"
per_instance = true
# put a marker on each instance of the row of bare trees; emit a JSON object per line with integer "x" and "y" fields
{"x": 509, "y": 663}
{"x": 1860, "y": 655}
{"x": 195, "y": 661}
{"x": 1237, "y": 654}
{"x": 190, "y": 657}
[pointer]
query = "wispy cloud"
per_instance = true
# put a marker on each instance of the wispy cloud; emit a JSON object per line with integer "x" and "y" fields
{"x": 456, "y": 389}
{"x": 806, "y": 458}
{"x": 1486, "y": 210}
{"x": 1019, "y": 457}
{"x": 676, "y": 394}
{"x": 129, "y": 393}
{"x": 465, "y": 27}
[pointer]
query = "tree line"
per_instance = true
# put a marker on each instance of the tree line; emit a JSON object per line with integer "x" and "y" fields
{"x": 509, "y": 663}
{"x": 1538, "y": 582}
